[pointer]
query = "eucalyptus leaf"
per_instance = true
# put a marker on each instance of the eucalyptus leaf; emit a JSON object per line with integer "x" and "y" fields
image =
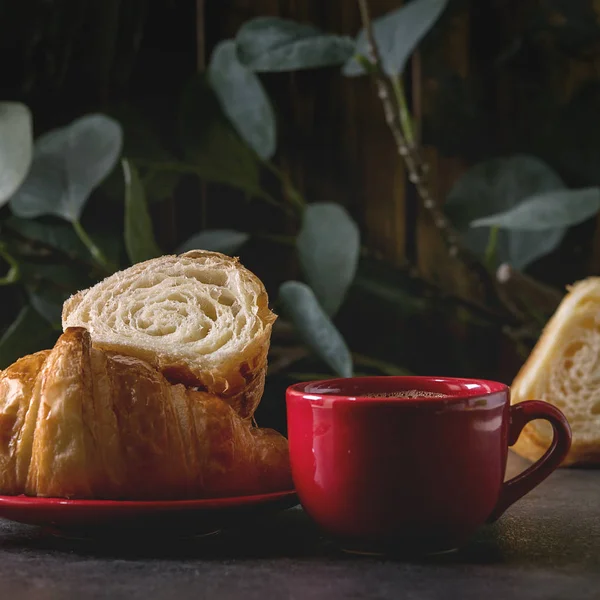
{"x": 16, "y": 147}
{"x": 328, "y": 246}
{"x": 64, "y": 279}
{"x": 68, "y": 164}
{"x": 268, "y": 44}
{"x": 142, "y": 142}
{"x": 47, "y": 307}
{"x": 49, "y": 285}
{"x": 60, "y": 236}
{"x": 243, "y": 99}
{"x": 551, "y": 210}
{"x": 210, "y": 142}
{"x": 226, "y": 241}
{"x": 112, "y": 246}
{"x": 139, "y": 237}
{"x": 497, "y": 186}
{"x": 397, "y": 35}
{"x": 28, "y": 333}
{"x": 314, "y": 327}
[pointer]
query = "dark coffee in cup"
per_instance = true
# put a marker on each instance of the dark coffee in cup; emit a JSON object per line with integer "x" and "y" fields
{"x": 405, "y": 394}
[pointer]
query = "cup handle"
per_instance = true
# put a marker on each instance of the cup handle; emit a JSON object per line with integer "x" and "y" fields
{"x": 520, "y": 414}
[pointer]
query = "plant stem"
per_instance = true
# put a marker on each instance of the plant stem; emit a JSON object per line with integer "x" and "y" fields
{"x": 94, "y": 250}
{"x": 291, "y": 192}
{"x": 404, "y": 113}
{"x": 490, "y": 251}
{"x": 418, "y": 170}
{"x": 14, "y": 273}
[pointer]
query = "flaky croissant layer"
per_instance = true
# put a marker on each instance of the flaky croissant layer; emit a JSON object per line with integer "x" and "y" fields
{"x": 200, "y": 318}
{"x": 78, "y": 422}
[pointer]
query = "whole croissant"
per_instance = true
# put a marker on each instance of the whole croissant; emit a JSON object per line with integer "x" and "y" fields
{"x": 79, "y": 422}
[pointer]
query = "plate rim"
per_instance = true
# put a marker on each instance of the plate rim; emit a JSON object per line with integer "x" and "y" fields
{"x": 33, "y": 502}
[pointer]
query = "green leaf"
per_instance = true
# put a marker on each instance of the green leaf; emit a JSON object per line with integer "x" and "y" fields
{"x": 496, "y": 186}
{"x": 211, "y": 144}
{"x": 48, "y": 307}
{"x": 550, "y": 210}
{"x": 243, "y": 99}
{"x": 55, "y": 235}
{"x": 141, "y": 141}
{"x": 397, "y": 35}
{"x": 139, "y": 237}
{"x": 268, "y": 44}
{"x": 29, "y": 333}
{"x": 314, "y": 327}
{"x": 68, "y": 164}
{"x": 62, "y": 277}
{"x": 227, "y": 241}
{"x": 16, "y": 147}
{"x": 49, "y": 285}
{"x": 328, "y": 246}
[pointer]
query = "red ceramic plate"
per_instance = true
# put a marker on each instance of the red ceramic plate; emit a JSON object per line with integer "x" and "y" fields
{"x": 106, "y": 517}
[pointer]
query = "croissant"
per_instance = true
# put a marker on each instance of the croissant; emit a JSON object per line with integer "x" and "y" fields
{"x": 563, "y": 369}
{"x": 79, "y": 422}
{"x": 201, "y": 318}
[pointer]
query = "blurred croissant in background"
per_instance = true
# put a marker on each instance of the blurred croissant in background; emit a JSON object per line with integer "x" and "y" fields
{"x": 80, "y": 422}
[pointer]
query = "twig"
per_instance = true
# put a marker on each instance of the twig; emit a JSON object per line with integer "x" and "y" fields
{"x": 294, "y": 197}
{"x": 404, "y": 114}
{"x": 14, "y": 272}
{"x": 418, "y": 170}
{"x": 527, "y": 290}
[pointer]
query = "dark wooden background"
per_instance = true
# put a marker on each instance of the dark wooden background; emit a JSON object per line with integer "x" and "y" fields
{"x": 492, "y": 78}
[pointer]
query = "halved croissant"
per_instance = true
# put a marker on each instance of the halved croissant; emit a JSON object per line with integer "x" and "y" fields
{"x": 79, "y": 422}
{"x": 564, "y": 369}
{"x": 200, "y": 317}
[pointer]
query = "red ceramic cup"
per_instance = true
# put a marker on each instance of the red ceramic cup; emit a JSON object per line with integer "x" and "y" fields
{"x": 416, "y": 475}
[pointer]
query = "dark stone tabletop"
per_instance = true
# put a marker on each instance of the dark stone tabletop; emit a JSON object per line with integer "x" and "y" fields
{"x": 547, "y": 546}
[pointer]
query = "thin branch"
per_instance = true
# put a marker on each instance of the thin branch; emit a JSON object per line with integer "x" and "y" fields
{"x": 405, "y": 118}
{"x": 292, "y": 194}
{"x": 542, "y": 298}
{"x": 418, "y": 170}
{"x": 14, "y": 273}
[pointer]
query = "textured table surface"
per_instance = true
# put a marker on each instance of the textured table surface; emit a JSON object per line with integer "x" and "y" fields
{"x": 547, "y": 546}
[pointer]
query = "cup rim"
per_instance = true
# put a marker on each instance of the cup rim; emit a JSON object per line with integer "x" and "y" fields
{"x": 473, "y": 388}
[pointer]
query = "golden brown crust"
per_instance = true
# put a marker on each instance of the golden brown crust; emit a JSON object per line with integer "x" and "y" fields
{"x": 200, "y": 317}
{"x": 17, "y": 384}
{"x": 532, "y": 447}
{"x": 544, "y": 376}
{"x": 104, "y": 425}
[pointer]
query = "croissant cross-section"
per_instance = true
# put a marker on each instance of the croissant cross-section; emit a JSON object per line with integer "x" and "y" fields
{"x": 79, "y": 422}
{"x": 200, "y": 317}
{"x": 564, "y": 369}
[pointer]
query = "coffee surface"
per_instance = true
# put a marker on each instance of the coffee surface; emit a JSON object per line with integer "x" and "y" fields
{"x": 406, "y": 394}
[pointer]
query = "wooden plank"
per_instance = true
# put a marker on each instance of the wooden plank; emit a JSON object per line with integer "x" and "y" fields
{"x": 450, "y": 51}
